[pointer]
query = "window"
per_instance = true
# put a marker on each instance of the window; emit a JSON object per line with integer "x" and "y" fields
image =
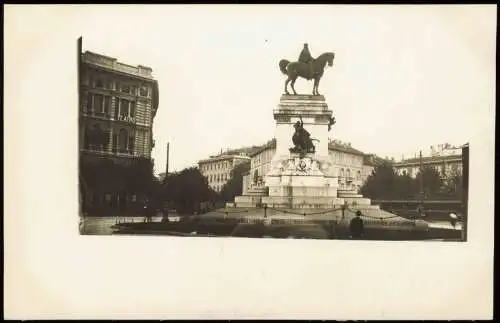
{"x": 86, "y": 137}
{"x": 125, "y": 88}
{"x": 98, "y": 104}
{"x": 134, "y": 89}
{"x": 123, "y": 141}
{"x": 143, "y": 91}
{"x": 117, "y": 107}
{"x": 99, "y": 83}
{"x": 89, "y": 102}
{"x": 107, "y": 105}
{"x": 124, "y": 108}
{"x": 132, "y": 109}
{"x": 131, "y": 142}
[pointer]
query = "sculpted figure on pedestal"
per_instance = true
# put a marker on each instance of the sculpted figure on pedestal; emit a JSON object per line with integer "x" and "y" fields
{"x": 306, "y": 67}
{"x": 303, "y": 143}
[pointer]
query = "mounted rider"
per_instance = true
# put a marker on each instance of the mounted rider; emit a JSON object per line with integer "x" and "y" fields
{"x": 305, "y": 57}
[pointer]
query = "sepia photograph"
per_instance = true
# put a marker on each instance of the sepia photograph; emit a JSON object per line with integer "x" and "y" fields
{"x": 249, "y": 161}
{"x": 344, "y": 137}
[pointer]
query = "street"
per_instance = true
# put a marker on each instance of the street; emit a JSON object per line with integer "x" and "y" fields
{"x": 102, "y": 225}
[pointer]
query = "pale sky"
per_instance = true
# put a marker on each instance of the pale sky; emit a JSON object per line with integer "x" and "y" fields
{"x": 404, "y": 77}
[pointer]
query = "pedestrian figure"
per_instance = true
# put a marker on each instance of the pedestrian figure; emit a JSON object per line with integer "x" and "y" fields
{"x": 146, "y": 211}
{"x": 165, "y": 214}
{"x": 356, "y": 226}
{"x": 453, "y": 219}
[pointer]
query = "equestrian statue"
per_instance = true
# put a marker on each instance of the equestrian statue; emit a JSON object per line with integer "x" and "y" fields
{"x": 306, "y": 67}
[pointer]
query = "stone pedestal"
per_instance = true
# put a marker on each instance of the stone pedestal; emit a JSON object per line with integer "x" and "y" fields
{"x": 315, "y": 115}
{"x": 301, "y": 180}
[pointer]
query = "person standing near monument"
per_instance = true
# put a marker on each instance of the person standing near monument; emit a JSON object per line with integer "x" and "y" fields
{"x": 356, "y": 227}
{"x": 305, "y": 57}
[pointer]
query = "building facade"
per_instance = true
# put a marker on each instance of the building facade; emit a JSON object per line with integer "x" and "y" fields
{"x": 117, "y": 106}
{"x": 348, "y": 164}
{"x": 445, "y": 159}
{"x": 118, "y": 103}
{"x": 260, "y": 164}
{"x": 217, "y": 169}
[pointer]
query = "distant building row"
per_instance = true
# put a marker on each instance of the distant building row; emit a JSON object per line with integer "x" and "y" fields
{"x": 446, "y": 159}
{"x": 352, "y": 166}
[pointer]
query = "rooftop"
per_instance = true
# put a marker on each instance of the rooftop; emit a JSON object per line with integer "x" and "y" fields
{"x": 112, "y": 63}
{"x": 344, "y": 147}
{"x": 221, "y": 157}
{"x": 271, "y": 144}
{"x": 374, "y": 160}
{"x": 429, "y": 159}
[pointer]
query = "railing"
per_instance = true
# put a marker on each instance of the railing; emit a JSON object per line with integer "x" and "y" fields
{"x": 108, "y": 116}
{"x": 100, "y": 115}
{"x": 125, "y": 118}
{"x": 114, "y": 151}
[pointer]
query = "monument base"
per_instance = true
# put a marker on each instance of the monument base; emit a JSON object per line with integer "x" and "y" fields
{"x": 302, "y": 202}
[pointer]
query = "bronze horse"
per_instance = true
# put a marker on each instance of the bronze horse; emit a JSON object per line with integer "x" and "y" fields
{"x": 296, "y": 69}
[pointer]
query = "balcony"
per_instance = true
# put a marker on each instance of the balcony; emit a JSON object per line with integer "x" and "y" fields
{"x": 109, "y": 117}
{"x": 127, "y": 119}
{"x": 348, "y": 180}
{"x": 115, "y": 151}
{"x": 97, "y": 115}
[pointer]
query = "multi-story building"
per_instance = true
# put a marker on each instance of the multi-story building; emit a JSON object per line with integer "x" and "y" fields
{"x": 217, "y": 169}
{"x": 118, "y": 103}
{"x": 348, "y": 163}
{"x": 260, "y": 163}
{"x": 446, "y": 159}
